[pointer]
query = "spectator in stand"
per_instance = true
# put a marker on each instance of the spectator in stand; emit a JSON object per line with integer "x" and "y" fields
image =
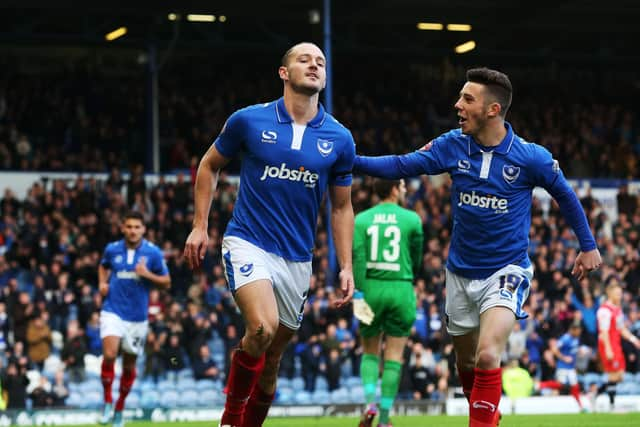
{"x": 204, "y": 366}
{"x": 73, "y": 352}
{"x": 14, "y": 384}
{"x": 39, "y": 339}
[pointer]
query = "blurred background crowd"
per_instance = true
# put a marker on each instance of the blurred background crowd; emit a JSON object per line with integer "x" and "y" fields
{"x": 78, "y": 118}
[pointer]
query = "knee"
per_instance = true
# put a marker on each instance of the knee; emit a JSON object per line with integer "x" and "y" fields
{"x": 466, "y": 363}
{"x": 487, "y": 358}
{"x": 259, "y": 336}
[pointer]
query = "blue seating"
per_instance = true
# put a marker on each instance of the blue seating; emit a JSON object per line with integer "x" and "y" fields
{"x": 150, "y": 399}
{"x": 169, "y": 399}
{"x": 165, "y": 386}
{"x": 356, "y": 394}
{"x": 352, "y": 381}
{"x": 188, "y": 398}
{"x": 321, "y": 383}
{"x": 322, "y": 397}
{"x": 302, "y": 397}
{"x": 210, "y": 398}
{"x": 186, "y": 384}
{"x": 297, "y": 384}
{"x": 202, "y": 385}
{"x": 284, "y": 382}
{"x": 284, "y": 395}
{"x": 339, "y": 395}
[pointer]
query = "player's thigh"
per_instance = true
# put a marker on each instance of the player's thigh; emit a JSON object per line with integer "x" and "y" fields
{"x": 112, "y": 329}
{"x": 496, "y": 325}
{"x": 371, "y": 344}
{"x": 135, "y": 337}
{"x": 291, "y": 289}
{"x": 399, "y": 305}
{"x": 250, "y": 281}
{"x": 462, "y": 315}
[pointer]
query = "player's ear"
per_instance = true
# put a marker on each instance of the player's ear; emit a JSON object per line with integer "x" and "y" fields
{"x": 283, "y": 73}
{"x": 494, "y": 109}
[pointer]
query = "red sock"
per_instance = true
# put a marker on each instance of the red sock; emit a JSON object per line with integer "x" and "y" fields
{"x": 555, "y": 385}
{"x": 107, "y": 373}
{"x": 243, "y": 375}
{"x": 575, "y": 392}
{"x": 466, "y": 378}
{"x": 485, "y": 397}
{"x": 257, "y": 408}
{"x": 128, "y": 377}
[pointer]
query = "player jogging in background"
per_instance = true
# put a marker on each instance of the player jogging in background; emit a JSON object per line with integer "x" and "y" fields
{"x": 610, "y": 331}
{"x": 493, "y": 173}
{"x": 127, "y": 271}
{"x": 387, "y": 250}
{"x": 293, "y": 150}
{"x": 565, "y": 350}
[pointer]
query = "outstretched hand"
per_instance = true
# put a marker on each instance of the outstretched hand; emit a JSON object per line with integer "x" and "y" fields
{"x": 196, "y": 247}
{"x": 586, "y": 262}
{"x": 345, "y": 292}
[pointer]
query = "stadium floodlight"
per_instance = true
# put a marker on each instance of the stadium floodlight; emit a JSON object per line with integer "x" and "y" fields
{"x": 222, "y": 18}
{"x": 193, "y": 17}
{"x": 172, "y": 16}
{"x": 465, "y": 47}
{"x": 458, "y": 27}
{"x": 115, "y": 34}
{"x": 433, "y": 26}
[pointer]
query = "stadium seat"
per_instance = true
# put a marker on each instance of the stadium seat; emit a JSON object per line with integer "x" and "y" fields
{"x": 165, "y": 385}
{"x": 322, "y": 397}
{"x": 202, "y": 385}
{"x": 356, "y": 394}
{"x": 284, "y": 382}
{"x": 185, "y": 384}
{"x": 185, "y": 373}
{"x": 169, "y": 399}
{"x": 321, "y": 383}
{"x": 284, "y": 396}
{"x": 352, "y": 381}
{"x": 302, "y": 397}
{"x": 91, "y": 385}
{"x": 297, "y": 384}
{"x": 591, "y": 378}
{"x": 339, "y": 395}
{"x": 149, "y": 399}
{"x": 209, "y": 398}
{"x": 188, "y": 398}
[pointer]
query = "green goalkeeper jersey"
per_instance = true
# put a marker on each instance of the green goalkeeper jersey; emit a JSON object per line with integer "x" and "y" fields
{"x": 387, "y": 243}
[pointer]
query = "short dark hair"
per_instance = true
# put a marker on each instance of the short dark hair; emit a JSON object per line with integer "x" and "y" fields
{"x": 383, "y": 187}
{"x": 285, "y": 58}
{"x": 497, "y": 83}
{"x": 133, "y": 215}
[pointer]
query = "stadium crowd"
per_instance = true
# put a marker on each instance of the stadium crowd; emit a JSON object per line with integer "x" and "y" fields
{"x": 51, "y": 241}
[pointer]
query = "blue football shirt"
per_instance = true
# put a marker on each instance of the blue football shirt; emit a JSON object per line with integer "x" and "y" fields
{"x": 568, "y": 346}
{"x": 491, "y": 196}
{"x": 128, "y": 295}
{"x": 285, "y": 171}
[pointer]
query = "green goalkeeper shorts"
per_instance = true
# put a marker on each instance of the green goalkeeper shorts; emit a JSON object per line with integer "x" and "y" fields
{"x": 394, "y": 305}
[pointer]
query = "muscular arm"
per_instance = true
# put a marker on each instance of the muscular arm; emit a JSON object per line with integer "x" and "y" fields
{"x": 342, "y": 225}
{"x": 103, "y": 279}
{"x": 390, "y": 167}
{"x": 359, "y": 256}
{"x": 206, "y": 183}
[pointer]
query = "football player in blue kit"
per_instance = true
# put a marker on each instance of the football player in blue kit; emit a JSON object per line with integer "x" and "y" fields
{"x": 292, "y": 151}
{"x": 493, "y": 173}
{"x": 127, "y": 271}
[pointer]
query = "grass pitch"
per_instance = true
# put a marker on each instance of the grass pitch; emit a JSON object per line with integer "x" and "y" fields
{"x": 573, "y": 420}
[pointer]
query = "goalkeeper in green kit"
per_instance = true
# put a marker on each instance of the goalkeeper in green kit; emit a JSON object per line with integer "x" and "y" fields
{"x": 387, "y": 249}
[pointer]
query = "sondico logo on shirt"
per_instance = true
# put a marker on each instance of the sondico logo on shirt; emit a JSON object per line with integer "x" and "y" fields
{"x": 283, "y": 172}
{"x": 486, "y": 202}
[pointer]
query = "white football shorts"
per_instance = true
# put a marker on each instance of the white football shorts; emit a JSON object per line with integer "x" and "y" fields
{"x": 244, "y": 262}
{"x": 467, "y": 299}
{"x": 133, "y": 335}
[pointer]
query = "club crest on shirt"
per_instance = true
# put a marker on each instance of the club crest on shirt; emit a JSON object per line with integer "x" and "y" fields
{"x": 510, "y": 173}
{"x": 246, "y": 269}
{"x": 325, "y": 147}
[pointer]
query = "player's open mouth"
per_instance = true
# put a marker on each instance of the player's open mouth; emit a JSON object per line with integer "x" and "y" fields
{"x": 315, "y": 76}
{"x": 461, "y": 120}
